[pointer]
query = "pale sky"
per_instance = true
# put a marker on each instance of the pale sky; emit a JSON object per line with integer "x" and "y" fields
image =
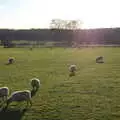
{"x": 25, "y": 14}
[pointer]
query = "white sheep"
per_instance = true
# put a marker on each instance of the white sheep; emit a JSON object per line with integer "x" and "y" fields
{"x": 19, "y": 96}
{"x": 72, "y": 68}
{"x": 4, "y": 92}
{"x": 35, "y": 83}
{"x": 11, "y": 60}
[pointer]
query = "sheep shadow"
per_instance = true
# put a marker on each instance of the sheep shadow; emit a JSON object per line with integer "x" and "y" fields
{"x": 8, "y": 63}
{"x": 100, "y": 62}
{"x": 12, "y": 114}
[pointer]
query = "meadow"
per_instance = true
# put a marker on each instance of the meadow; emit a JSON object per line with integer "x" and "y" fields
{"x": 92, "y": 94}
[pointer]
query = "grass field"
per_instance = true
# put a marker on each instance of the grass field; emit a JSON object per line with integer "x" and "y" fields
{"x": 93, "y": 94}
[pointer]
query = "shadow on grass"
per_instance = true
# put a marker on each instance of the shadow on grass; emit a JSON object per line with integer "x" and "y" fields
{"x": 8, "y": 63}
{"x": 12, "y": 114}
{"x": 100, "y": 62}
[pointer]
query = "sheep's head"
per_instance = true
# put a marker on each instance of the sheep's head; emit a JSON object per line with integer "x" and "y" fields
{"x": 72, "y": 68}
{"x": 35, "y": 83}
{"x": 11, "y": 60}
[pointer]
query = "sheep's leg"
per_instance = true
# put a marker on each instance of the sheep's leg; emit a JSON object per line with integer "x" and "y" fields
{"x": 5, "y": 98}
{"x": 1, "y": 100}
{"x": 7, "y": 104}
{"x": 30, "y": 102}
{"x": 27, "y": 103}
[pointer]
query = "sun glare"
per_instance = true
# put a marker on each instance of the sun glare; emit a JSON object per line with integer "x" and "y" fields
{"x": 38, "y": 13}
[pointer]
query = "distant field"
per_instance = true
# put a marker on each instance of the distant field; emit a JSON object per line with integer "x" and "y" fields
{"x": 25, "y": 43}
{"x": 93, "y": 94}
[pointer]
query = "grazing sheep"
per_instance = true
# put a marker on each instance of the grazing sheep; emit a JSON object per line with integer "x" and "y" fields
{"x": 11, "y": 60}
{"x": 99, "y": 59}
{"x": 72, "y": 68}
{"x": 19, "y": 96}
{"x": 4, "y": 92}
{"x": 35, "y": 83}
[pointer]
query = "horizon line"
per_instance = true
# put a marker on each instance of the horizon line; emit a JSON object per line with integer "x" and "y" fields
{"x": 57, "y": 28}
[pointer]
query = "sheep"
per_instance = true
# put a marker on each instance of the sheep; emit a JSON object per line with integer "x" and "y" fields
{"x": 35, "y": 83}
{"x": 19, "y": 96}
{"x": 11, "y": 60}
{"x": 72, "y": 68}
{"x": 4, "y": 92}
{"x": 99, "y": 59}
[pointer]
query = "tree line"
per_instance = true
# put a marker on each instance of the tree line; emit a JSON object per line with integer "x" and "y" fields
{"x": 80, "y": 36}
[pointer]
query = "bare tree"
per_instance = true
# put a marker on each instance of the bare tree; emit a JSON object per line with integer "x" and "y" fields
{"x": 65, "y": 24}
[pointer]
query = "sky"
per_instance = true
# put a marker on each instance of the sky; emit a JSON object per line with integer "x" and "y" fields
{"x": 26, "y": 14}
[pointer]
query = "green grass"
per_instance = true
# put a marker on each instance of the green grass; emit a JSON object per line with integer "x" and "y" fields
{"x": 93, "y": 94}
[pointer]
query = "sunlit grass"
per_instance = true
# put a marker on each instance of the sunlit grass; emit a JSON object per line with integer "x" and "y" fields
{"x": 93, "y": 94}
